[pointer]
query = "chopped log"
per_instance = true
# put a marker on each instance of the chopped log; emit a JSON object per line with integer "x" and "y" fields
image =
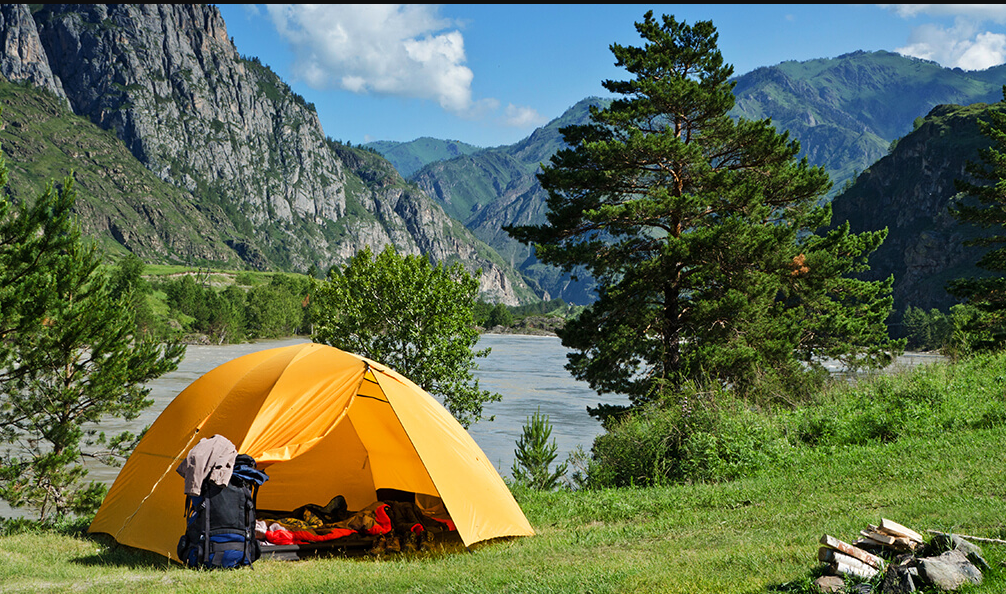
{"x": 881, "y": 538}
{"x": 845, "y": 564}
{"x": 863, "y": 540}
{"x": 894, "y": 542}
{"x": 852, "y": 551}
{"x": 896, "y": 529}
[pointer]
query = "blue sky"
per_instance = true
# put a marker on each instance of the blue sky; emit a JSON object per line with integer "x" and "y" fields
{"x": 489, "y": 75}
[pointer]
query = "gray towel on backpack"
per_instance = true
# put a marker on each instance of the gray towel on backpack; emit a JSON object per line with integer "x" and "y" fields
{"x": 212, "y": 458}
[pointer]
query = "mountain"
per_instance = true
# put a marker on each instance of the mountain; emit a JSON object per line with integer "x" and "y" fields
{"x": 409, "y": 157}
{"x": 250, "y": 166}
{"x": 846, "y": 111}
{"x": 120, "y": 202}
{"x": 498, "y": 186}
{"x": 909, "y": 192}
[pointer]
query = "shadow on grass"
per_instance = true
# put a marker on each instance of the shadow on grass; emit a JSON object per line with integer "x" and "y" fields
{"x": 115, "y": 554}
{"x": 110, "y": 553}
{"x": 802, "y": 585}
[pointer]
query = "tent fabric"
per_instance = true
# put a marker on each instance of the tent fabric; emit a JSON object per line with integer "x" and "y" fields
{"x": 321, "y": 422}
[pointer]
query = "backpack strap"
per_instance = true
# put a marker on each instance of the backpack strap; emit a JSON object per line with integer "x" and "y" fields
{"x": 206, "y": 531}
{"x": 250, "y": 540}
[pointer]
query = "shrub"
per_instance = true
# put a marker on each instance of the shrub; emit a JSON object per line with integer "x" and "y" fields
{"x": 928, "y": 331}
{"x": 695, "y": 436}
{"x": 933, "y": 398}
{"x": 535, "y": 454}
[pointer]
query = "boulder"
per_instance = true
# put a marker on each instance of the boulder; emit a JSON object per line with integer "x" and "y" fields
{"x": 949, "y": 571}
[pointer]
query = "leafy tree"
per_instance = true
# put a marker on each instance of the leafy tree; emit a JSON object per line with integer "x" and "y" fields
{"x": 499, "y": 315}
{"x": 701, "y": 232}
{"x": 988, "y": 293}
{"x": 69, "y": 355}
{"x": 218, "y": 314}
{"x": 930, "y": 330}
{"x": 535, "y": 454}
{"x": 273, "y": 311}
{"x": 185, "y": 296}
{"x": 480, "y": 313}
{"x": 232, "y": 322}
{"x": 411, "y": 316}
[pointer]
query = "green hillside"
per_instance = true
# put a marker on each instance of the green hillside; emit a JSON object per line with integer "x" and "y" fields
{"x": 120, "y": 203}
{"x": 846, "y": 111}
{"x": 409, "y": 157}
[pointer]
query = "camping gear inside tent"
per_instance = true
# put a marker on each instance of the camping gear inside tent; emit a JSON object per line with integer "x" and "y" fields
{"x": 322, "y": 423}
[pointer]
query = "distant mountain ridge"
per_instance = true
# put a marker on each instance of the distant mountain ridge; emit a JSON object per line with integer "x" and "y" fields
{"x": 498, "y": 186}
{"x": 846, "y": 113}
{"x": 409, "y": 157}
{"x": 169, "y": 83}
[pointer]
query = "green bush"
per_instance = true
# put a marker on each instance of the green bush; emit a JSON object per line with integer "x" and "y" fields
{"x": 696, "y": 436}
{"x": 927, "y": 331}
{"x": 273, "y": 311}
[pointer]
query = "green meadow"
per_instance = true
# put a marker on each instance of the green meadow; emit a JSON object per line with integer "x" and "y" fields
{"x": 938, "y": 465}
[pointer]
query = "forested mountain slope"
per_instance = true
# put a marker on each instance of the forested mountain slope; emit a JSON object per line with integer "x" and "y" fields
{"x": 846, "y": 111}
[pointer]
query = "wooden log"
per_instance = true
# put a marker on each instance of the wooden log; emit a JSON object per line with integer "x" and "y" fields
{"x": 881, "y": 538}
{"x": 852, "y": 551}
{"x": 863, "y": 540}
{"x": 896, "y": 529}
{"x": 845, "y": 564}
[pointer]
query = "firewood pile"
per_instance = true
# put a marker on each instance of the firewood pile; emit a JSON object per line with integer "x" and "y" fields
{"x": 891, "y": 558}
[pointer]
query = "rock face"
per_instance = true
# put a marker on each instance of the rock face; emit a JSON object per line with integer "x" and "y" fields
{"x": 24, "y": 58}
{"x": 909, "y": 192}
{"x": 168, "y": 81}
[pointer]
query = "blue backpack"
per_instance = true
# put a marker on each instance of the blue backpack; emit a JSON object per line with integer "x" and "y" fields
{"x": 220, "y": 526}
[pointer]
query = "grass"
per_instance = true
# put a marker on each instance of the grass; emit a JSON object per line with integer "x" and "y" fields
{"x": 747, "y": 536}
{"x": 750, "y": 536}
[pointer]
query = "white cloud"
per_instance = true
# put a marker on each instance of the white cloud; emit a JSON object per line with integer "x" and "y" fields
{"x": 389, "y": 49}
{"x": 961, "y": 46}
{"x": 982, "y": 12}
{"x": 522, "y": 117}
{"x": 967, "y": 44}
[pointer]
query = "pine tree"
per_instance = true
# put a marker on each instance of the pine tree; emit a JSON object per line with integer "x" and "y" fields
{"x": 70, "y": 357}
{"x": 988, "y": 293}
{"x": 701, "y": 232}
{"x": 535, "y": 454}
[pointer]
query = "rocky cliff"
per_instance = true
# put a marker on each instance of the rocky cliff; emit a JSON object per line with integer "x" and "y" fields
{"x": 168, "y": 81}
{"x": 909, "y": 192}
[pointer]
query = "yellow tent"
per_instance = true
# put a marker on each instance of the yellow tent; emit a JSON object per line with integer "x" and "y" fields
{"x": 321, "y": 422}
